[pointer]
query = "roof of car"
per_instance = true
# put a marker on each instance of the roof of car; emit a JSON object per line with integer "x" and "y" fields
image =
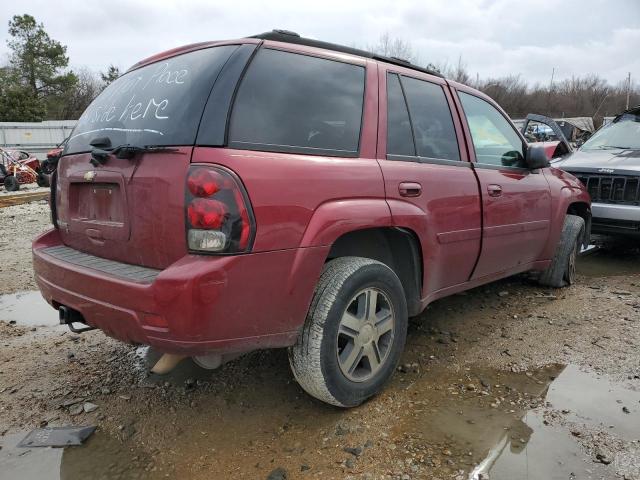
{"x": 287, "y": 36}
{"x": 633, "y": 111}
{"x": 583, "y": 123}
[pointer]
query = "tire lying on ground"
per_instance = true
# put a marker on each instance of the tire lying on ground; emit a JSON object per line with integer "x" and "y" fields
{"x": 562, "y": 271}
{"x": 11, "y": 183}
{"x": 354, "y": 332}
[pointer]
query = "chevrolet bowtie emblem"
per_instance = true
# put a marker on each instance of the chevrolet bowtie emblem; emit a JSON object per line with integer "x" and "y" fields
{"x": 89, "y": 176}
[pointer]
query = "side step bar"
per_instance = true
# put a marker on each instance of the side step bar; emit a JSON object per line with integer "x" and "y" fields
{"x": 69, "y": 316}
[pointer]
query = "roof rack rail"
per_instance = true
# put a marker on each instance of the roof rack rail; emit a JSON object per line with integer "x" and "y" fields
{"x": 288, "y": 36}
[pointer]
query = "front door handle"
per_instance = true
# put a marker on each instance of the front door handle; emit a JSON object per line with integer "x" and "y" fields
{"x": 410, "y": 189}
{"x": 494, "y": 190}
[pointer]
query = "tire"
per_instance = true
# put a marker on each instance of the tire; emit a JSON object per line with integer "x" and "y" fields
{"x": 42, "y": 180}
{"x": 11, "y": 183}
{"x": 562, "y": 271}
{"x": 324, "y": 360}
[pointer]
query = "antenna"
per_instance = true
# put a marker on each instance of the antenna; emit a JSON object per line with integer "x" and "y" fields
{"x": 628, "y": 90}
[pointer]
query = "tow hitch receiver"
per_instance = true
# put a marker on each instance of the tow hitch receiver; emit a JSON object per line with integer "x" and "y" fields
{"x": 69, "y": 316}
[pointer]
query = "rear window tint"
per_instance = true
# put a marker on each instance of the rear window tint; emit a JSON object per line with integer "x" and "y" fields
{"x": 159, "y": 104}
{"x": 433, "y": 128}
{"x": 298, "y": 103}
{"x": 399, "y": 136}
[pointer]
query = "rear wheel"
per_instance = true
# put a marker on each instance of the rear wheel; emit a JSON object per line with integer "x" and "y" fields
{"x": 11, "y": 183}
{"x": 354, "y": 332}
{"x": 562, "y": 271}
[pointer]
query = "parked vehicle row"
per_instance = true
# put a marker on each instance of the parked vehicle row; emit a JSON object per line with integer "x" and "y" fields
{"x": 277, "y": 191}
{"x": 608, "y": 164}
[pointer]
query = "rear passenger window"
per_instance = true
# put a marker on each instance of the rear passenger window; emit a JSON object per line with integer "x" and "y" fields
{"x": 399, "y": 136}
{"x": 433, "y": 129}
{"x": 297, "y": 103}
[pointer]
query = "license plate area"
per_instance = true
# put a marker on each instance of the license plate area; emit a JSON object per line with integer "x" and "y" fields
{"x": 97, "y": 203}
{"x": 98, "y": 209}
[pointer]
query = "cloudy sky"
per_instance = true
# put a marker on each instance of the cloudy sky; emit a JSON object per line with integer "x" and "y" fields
{"x": 493, "y": 37}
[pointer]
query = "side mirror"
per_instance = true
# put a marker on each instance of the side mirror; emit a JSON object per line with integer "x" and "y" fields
{"x": 536, "y": 157}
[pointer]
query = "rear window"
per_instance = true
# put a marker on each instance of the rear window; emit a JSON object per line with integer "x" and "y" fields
{"x": 399, "y": 135}
{"x": 296, "y": 103}
{"x": 433, "y": 129}
{"x": 158, "y": 104}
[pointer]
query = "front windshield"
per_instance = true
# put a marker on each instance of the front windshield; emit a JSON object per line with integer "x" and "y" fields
{"x": 623, "y": 133}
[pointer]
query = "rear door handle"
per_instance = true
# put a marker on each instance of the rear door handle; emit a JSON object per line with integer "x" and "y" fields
{"x": 494, "y": 190}
{"x": 410, "y": 189}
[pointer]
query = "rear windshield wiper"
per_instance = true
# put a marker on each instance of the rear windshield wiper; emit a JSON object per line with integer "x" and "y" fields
{"x": 102, "y": 149}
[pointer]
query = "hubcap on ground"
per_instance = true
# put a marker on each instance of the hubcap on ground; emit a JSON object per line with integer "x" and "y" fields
{"x": 365, "y": 335}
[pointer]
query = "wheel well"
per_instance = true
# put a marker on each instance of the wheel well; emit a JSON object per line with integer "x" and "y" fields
{"x": 397, "y": 248}
{"x": 582, "y": 209}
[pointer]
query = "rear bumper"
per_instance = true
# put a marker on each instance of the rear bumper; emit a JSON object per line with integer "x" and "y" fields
{"x": 616, "y": 219}
{"x": 198, "y": 305}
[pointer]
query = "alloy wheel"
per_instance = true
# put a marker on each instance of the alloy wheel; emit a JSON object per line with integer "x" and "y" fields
{"x": 365, "y": 335}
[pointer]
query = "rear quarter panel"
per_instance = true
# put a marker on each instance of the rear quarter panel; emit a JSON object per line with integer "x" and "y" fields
{"x": 287, "y": 191}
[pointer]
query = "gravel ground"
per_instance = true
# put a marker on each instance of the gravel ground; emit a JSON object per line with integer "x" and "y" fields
{"x": 494, "y": 376}
{"x": 19, "y": 224}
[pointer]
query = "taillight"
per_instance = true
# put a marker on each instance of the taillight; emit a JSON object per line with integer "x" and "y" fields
{"x": 218, "y": 214}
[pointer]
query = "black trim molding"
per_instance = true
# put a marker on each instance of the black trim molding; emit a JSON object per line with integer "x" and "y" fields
{"x": 292, "y": 149}
{"x": 434, "y": 161}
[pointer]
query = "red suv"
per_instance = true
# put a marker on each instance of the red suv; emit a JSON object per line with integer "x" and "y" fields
{"x": 276, "y": 191}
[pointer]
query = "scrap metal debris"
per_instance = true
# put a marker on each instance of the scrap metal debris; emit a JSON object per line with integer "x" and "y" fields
{"x": 56, "y": 437}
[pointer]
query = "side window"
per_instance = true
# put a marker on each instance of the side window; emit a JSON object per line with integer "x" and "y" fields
{"x": 399, "y": 136}
{"x": 494, "y": 139}
{"x": 540, "y": 132}
{"x": 433, "y": 129}
{"x": 298, "y": 103}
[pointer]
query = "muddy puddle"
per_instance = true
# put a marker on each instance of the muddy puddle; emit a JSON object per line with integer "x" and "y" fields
{"x": 610, "y": 260}
{"x": 432, "y": 422}
{"x": 555, "y": 440}
{"x": 27, "y": 309}
{"x": 102, "y": 457}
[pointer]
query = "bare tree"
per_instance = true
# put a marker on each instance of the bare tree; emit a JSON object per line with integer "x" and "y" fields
{"x": 588, "y": 95}
{"x": 458, "y": 72}
{"x": 393, "y": 47}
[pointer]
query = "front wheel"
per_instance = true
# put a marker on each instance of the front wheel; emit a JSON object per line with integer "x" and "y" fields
{"x": 562, "y": 271}
{"x": 354, "y": 332}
